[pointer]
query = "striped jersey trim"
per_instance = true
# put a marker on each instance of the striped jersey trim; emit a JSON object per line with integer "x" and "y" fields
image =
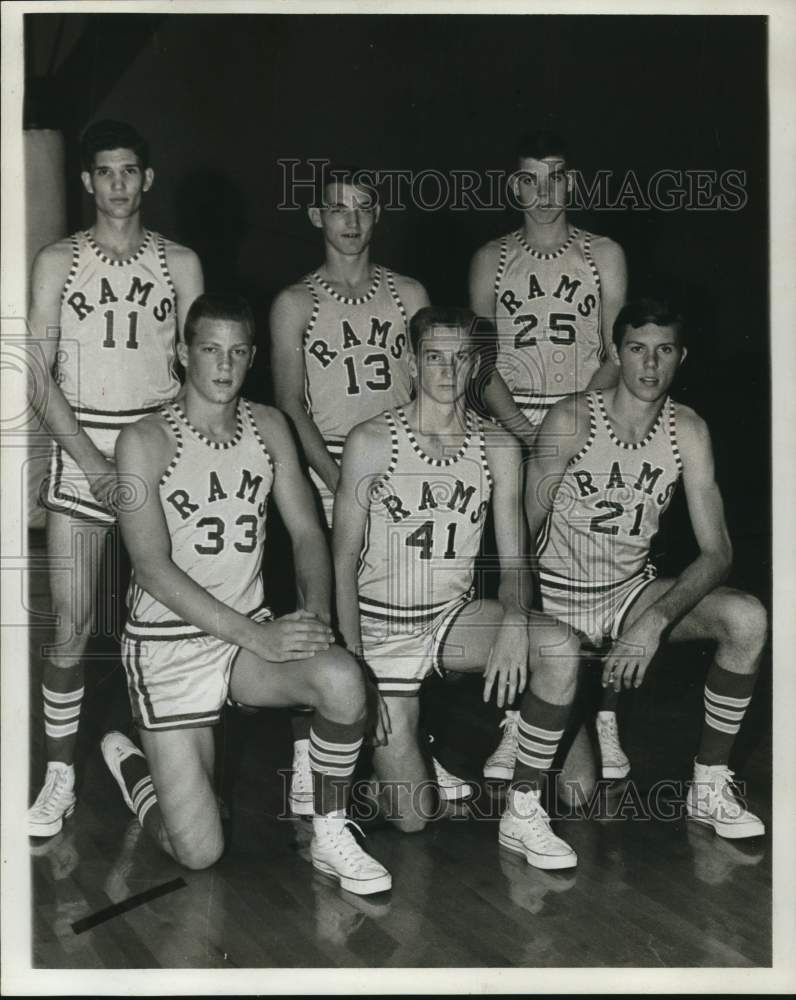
{"x": 110, "y": 419}
{"x": 550, "y": 581}
{"x": 316, "y": 308}
{"x": 215, "y": 445}
{"x": 347, "y": 300}
{"x": 175, "y": 629}
{"x": 626, "y": 445}
{"x": 395, "y": 296}
{"x": 148, "y": 237}
{"x": 393, "y": 443}
{"x": 592, "y": 431}
{"x": 413, "y": 614}
{"x": 73, "y": 266}
{"x": 164, "y": 266}
{"x": 504, "y": 248}
{"x": 587, "y": 238}
{"x": 552, "y": 255}
{"x": 671, "y": 423}
{"x": 174, "y": 424}
{"x": 437, "y": 463}
{"x": 482, "y": 452}
{"x": 256, "y": 432}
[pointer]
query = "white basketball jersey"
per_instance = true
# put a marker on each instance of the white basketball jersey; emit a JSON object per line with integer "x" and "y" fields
{"x": 118, "y": 332}
{"x": 356, "y": 355}
{"x": 214, "y": 496}
{"x": 425, "y": 520}
{"x": 547, "y": 308}
{"x": 609, "y": 504}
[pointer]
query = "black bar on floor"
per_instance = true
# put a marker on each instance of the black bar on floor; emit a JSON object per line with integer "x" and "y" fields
{"x": 128, "y": 904}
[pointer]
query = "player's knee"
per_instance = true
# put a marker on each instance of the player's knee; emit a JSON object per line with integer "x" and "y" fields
{"x": 341, "y": 686}
{"x": 199, "y": 856}
{"x": 411, "y": 823}
{"x": 744, "y": 623}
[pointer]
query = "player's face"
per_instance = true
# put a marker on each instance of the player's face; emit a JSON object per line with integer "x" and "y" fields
{"x": 540, "y": 187}
{"x": 218, "y": 358}
{"x": 446, "y": 361}
{"x": 117, "y": 182}
{"x": 649, "y": 358}
{"x": 347, "y": 218}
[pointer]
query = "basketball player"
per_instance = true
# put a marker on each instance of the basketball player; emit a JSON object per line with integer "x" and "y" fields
{"x": 410, "y": 508}
{"x": 339, "y": 355}
{"x": 595, "y": 506}
{"x": 106, "y": 307}
{"x": 197, "y": 629}
{"x": 554, "y": 291}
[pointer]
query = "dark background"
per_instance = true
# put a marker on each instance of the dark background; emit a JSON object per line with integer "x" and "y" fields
{"x": 222, "y": 98}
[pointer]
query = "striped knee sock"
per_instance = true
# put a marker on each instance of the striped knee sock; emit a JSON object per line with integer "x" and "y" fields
{"x": 140, "y": 788}
{"x": 727, "y": 696}
{"x": 541, "y": 726}
{"x": 61, "y": 720}
{"x": 334, "y": 749}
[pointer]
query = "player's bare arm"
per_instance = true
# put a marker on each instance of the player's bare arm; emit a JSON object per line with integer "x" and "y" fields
{"x": 411, "y": 293}
{"x": 296, "y": 504}
{"x": 496, "y": 394}
{"x": 507, "y": 666}
{"x": 186, "y": 273}
{"x": 630, "y": 656}
{"x": 143, "y": 453}
{"x": 548, "y": 464}
{"x": 49, "y": 274}
{"x": 290, "y": 315}
{"x": 609, "y": 259}
{"x": 366, "y": 454}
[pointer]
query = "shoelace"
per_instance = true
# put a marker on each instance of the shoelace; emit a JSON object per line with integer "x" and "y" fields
{"x": 610, "y": 734}
{"x": 47, "y": 800}
{"x": 347, "y": 846}
{"x": 508, "y": 740}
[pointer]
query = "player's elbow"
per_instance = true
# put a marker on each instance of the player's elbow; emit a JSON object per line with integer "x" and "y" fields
{"x": 150, "y": 575}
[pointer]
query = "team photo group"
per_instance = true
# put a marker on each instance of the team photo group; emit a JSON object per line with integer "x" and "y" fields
{"x": 400, "y": 427}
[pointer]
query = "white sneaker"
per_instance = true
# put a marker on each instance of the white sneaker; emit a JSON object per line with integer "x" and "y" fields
{"x": 525, "y": 829}
{"x": 501, "y": 763}
{"x": 712, "y": 800}
{"x": 116, "y": 748}
{"x": 301, "y": 796}
{"x": 54, "y": 802}
{"x": 614, "y": 759}
{"x": 335, "y": 852}
{"x": 450, "y": 787}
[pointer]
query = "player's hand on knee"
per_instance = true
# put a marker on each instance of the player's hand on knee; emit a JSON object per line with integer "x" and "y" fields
{"x": 102, "y": 482}
{"x": 630, "y": 656}
{"x": 506, "y": 668}
{"x": 297, "y": 636}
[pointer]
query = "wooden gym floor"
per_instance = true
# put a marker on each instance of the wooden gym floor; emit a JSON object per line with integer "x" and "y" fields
{"x": 647, "y": 892}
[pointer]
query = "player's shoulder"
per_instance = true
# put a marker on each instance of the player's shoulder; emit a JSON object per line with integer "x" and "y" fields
{"x": 293, "y": 299}
{"x": 409, "y": 288}
{"x": 55, "y": 256}
{"x": 605, "y": 248}
{"x": 369, "y": 437}
{"x": 175, "y": 250}
{"x": 688, "y": 422}
{"x": 151, "y": 434}
{"x": 489, "y": 253}
{"x": 269, "y": 420}
{"x": 569, "y": 422}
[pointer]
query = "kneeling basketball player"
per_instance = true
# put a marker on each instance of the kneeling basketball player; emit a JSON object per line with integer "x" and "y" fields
{"x": 199, "y": 473}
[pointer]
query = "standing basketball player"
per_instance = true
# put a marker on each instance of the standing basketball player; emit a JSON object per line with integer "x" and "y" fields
{"x": 106, "y": 307}
{"x": 197, "y": 628}
{"x": 554, "y": 291}
{"x": 340, "y": 354}
{"x": 594, "y": 508}
{"x": 416, "y": 485}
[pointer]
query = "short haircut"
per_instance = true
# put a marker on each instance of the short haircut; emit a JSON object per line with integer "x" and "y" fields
{"x": 111, "y": 134}
{"x": 640, "y": 312}
{"x": 346, "y": 173}
{"x": 456, "y": 317}
{"x": 233, "y": 308}
{"x": 540, "y": 144}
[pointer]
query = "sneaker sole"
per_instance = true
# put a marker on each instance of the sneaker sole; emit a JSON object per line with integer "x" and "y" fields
{"x": 50, "y": 829}
{"x": 498, "y": 771}
{"x": 612, "y": 771}
{"x": 547, "y": 862}
{"x": 453, "y": 793}
{"x": 730, "y": 831}
{"x": 360, "y": 887}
